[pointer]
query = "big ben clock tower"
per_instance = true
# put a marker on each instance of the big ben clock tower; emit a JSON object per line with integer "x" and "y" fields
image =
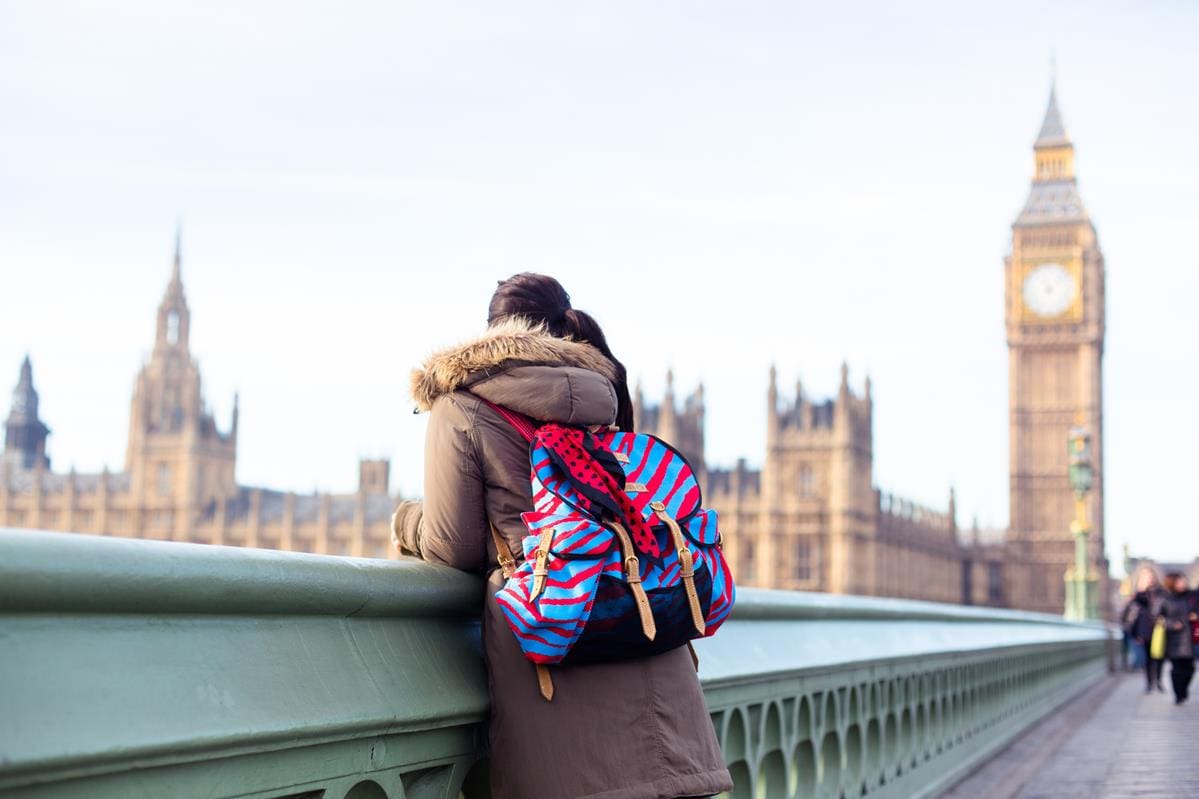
{"x": 1055, "y": 328}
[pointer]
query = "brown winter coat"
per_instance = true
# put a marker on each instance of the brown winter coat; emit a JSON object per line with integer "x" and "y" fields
{"x": 635, "y": 729}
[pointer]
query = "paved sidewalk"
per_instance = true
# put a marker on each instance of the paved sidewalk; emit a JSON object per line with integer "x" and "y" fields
{"x": 1112, "y": 741}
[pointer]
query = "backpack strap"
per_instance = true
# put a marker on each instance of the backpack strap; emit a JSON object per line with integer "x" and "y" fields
{"x": 686, "y": 564}
{"x": 525, "y": 426}
{"x": 545, "y": 682}
{"x": 503, "y": 554}
{"x": 632, "y": 571}
{"x": 541, "y": 558}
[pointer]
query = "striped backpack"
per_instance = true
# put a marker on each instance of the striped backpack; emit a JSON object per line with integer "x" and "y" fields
{"x": 620, "y": 560}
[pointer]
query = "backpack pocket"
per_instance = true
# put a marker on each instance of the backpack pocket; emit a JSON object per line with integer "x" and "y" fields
{"x": 713, "y": 578}
{"x": 548, "y": 600}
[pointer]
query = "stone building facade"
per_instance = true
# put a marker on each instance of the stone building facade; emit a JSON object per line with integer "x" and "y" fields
{"x": 811, "y": 517}
{"x": 179, "y": 481}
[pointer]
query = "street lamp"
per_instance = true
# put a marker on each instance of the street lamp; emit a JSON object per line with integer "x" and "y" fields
{"x": 1082, "y": 473}
{"x": 1082, "y": 596}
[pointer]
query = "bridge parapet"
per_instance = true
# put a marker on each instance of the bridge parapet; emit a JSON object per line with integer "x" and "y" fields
{"x": 136, "y": 668}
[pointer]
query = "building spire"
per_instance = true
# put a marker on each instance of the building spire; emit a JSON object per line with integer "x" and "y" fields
{"x": 24, "y": 432}
{"x": 176, "y": 269}
{"x": 1054, "y": 195}
{"x": 25, "y": 381}
{"x": 1053, "y": 132}
{"x": 772, "y": 398}
{"x": 173, "y": 316}
{"x": 24, "y": 396}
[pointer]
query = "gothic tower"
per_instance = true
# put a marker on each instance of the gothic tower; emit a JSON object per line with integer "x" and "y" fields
{"x": 24, "y": 433}
{"x": 818, "y": 503}
{"x": 1054, "y": 286}
{"x": 682, "y": 428}
{"x": 177, "y": 459}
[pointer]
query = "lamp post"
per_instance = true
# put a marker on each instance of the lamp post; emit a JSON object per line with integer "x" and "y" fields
{"x": 1082, "y": 595}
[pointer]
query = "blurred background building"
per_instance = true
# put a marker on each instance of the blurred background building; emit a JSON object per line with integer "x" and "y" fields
{"x": 810, "y": 518}
{"x": 179, "y": 478}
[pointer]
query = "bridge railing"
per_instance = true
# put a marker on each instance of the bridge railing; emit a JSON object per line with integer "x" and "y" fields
{"x": 148, "y": 669}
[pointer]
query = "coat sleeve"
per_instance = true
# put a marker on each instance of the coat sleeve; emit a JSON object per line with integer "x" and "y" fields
{"x": 453, "y": 527}
{"x": 405, "y": 527}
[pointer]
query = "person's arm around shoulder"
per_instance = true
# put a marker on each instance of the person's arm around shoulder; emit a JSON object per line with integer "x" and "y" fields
{"x": 450, "y": 525}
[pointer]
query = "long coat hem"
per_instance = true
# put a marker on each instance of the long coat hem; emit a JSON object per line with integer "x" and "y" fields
{"x": 703, "y": 783}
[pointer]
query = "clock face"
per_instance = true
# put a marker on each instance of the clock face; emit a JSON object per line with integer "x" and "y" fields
{"x": 1049, "y": 290}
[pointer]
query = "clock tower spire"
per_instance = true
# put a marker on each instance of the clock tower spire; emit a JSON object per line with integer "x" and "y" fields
{"x": 1054, "y": 312}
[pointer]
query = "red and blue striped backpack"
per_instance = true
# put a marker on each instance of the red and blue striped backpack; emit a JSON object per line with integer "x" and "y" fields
{"x": 620, "y": 561}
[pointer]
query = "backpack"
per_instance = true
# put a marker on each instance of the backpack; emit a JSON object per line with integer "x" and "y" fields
{"x": 621, "y": 561}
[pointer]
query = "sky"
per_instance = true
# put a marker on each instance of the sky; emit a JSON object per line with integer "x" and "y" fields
{"x": 725, "y": 186}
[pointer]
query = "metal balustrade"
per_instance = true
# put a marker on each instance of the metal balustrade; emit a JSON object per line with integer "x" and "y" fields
{"x": 822, "y": 696}
{"x": 148, "y": 669}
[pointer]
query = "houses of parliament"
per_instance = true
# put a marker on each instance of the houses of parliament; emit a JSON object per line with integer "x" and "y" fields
{"x": 809, "y": 518}
{"x": 178, "y": 482}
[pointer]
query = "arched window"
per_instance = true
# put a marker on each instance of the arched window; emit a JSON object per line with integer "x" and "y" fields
{"x": 173, "y": 328}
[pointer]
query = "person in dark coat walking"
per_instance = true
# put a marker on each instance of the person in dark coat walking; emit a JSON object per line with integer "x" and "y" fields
{"x": 1179, "y": 612}
{"x": 629, "y": 729}
{"x": 1148, "y": 607}
{"x": 1132, "y": 654}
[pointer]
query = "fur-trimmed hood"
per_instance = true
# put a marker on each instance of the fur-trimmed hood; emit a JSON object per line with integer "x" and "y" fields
{"x": 513, "y": 342}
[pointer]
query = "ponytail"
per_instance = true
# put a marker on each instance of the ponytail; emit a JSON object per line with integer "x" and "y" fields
{"x": 582, "y": 327}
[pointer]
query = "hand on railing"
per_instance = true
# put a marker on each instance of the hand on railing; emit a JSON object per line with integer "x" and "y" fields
{"x": 405, "y": 528}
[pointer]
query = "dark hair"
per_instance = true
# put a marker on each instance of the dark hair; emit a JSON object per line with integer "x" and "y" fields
{"x": 541, "y": 299}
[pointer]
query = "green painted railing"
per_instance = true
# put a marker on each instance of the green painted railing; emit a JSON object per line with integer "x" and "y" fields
{"x": 147, "y": 669}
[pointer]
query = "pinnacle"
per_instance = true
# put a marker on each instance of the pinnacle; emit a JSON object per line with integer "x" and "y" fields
{"x": 176, "y": 266}
{"x": 1053, "y": 131}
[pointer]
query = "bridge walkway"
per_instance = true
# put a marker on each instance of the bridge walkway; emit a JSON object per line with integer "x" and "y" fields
{"x": 1113, "y": 741}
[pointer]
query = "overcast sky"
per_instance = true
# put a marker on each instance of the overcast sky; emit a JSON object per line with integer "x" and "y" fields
{"x": 724, "y": 186}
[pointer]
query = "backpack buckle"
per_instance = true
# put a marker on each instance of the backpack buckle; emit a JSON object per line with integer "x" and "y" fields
{"x": 540, "y": 556}
{"x": 632, "y": 569}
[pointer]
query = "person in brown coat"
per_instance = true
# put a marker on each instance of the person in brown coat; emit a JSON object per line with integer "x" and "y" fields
{"x": 630, "y": 729}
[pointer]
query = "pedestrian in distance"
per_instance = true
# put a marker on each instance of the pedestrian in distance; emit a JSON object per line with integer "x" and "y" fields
{"x": 1132, "y": 653}
{"x": 1178, "y": 613}
{"x": 623, "y": 729}
{"x": 1145, "y": 610}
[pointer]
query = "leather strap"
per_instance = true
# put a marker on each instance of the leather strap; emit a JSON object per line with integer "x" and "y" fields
{"x": 694, "y": 656}
{"x": 503, "y": 554}
{"x": 632, "y": 570}
{"x": 686, "y": 564}
{"x": 545, "y": 682}
{"x": 540, "y": 557}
